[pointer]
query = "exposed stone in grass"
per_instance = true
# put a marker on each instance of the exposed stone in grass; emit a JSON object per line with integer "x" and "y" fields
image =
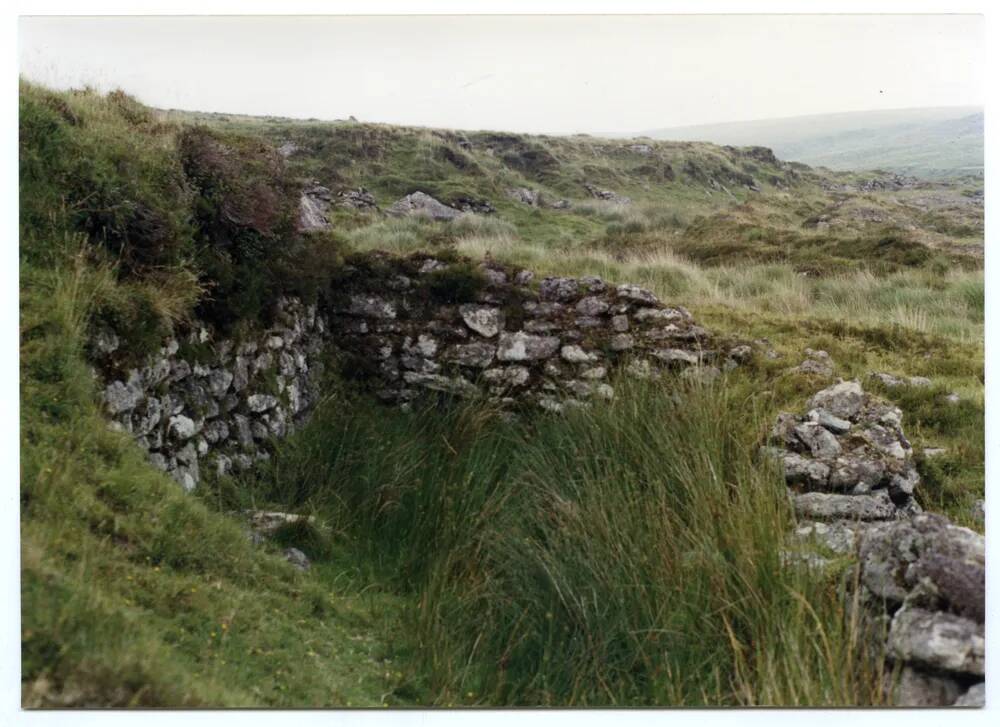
{"x": 421, "y": 203}
{"x": 314, "y": 205}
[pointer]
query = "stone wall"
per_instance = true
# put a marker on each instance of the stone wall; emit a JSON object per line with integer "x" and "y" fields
{"x": 851, "y": 475}
{"x": 205, "y": 402}
{"x": 553, "y": 344}
{"x": 396, "y": 329}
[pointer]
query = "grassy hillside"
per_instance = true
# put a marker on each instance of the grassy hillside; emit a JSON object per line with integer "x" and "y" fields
{"x": 931, "y": 143}
{"x": 623, "y": 555}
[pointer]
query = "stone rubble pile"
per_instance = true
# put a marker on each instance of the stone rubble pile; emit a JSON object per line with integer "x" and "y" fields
{"x": 851, "y": 475}
{"x": 847, "y": 457}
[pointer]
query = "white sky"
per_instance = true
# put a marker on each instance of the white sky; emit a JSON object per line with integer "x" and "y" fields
{"x": 556, "y": 74}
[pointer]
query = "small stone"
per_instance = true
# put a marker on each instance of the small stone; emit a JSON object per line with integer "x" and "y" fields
{"x": 918, "y": 689}
{"x": 372, "y": 307}
{"x": 525, "y": 347}
{"x": 456, "y": 385}
{"x": 801, "y": 470}
{"x": 120, "y": 397}
{"x": 484, "y": 320}
{"x": 523, "y": 277}
{"x": 510, "y": 376}
{"x": 843, "y": 400}
{"x": 219, "y": 381}
{"x": 636, "y": 294}
{"x": 619, "y": 323}
{"x": 479, "y": 355}
{"x": 297, "y": 558}
{"x": 837, "y": 537}
{"x": 575, "y": 354}
{"x": 974, "y": 697}
{"x": 258, "y": 403}
{"x": 821, "y": 443}
{"x": 430, "y": 265}
{"x": 591, "y": 306}
{"x": 181, "y": 427}
{"x": 675, "y": 355}
{"x": 829, "y": 422}
{"x": 622, "y": 342}
{"x": 558, "y": 289}
{"x": 106, "y": 341}
{"x": 814, "y": 367}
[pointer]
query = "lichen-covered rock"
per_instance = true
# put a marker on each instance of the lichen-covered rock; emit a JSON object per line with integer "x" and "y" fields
{"x": 421, "y": 203}
{"x": 372, "y": 307}
{"x": 121, "y": 396}
{"x": 840, "y": 537}
{"x": 920, "y": 689}
{"x": 298, "y": 559}
{"x": 521, "y": 346}
{"x": 487, "y": 321}
{"x": 843, "y": 400}
{"x": 938, "y": 641}
{"x": 558, "y": 289}
{"x": 926, "y": 550}
{"x": 829, "y": 506}
{"x": 478, "y": 355}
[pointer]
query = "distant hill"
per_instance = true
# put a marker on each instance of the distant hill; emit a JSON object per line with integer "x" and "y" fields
{"x": 926, "y": 142}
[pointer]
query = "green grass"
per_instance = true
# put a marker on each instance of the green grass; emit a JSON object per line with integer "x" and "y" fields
{"x": 624, "y": 555}
{"x": 135, "y": 594}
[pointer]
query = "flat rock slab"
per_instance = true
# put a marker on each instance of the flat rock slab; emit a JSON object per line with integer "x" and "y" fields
{"x": 828, "y": 506}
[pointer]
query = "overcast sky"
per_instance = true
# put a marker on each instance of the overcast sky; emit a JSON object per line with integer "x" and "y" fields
{"x": 542, "y": 74}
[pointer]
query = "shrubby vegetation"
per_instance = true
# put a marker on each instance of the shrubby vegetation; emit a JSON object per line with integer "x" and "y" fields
{"x": 622, "y": 555}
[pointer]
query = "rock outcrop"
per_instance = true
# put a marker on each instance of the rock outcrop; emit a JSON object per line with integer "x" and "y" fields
{"x": 314, "y": 204}
{"x": 421, "y": 203}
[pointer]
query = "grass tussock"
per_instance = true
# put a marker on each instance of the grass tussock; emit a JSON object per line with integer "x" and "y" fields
{"x": 627, "y": 555}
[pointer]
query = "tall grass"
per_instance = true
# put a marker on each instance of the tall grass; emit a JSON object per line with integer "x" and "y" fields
{"x": 623, "y": 555}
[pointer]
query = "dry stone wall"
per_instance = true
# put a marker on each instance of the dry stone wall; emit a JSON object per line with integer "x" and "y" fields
{"x": 213, "y": 403}
{"x": 851, "y": 475}
{"x": 397, "y": 330}
{"x": 553, "y": 344}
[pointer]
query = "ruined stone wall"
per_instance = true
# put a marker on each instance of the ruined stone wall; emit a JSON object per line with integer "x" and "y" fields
{"x": 214, "y": 402}
{"x": 851, "y": 475}
{"x": 396, "y": 329}
{"x": 553, "y": 344}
